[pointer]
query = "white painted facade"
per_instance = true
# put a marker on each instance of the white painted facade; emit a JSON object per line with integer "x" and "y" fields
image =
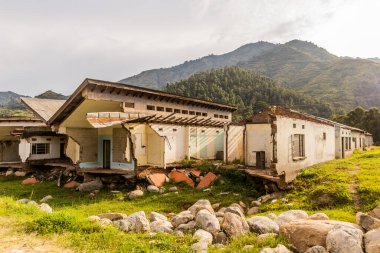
{"x": 54, "y": 150}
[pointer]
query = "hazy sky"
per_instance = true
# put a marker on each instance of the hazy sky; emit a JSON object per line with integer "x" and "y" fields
{"x": 51, "y": 44}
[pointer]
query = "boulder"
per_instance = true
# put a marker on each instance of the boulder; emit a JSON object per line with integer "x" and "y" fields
{"x": 71, "y": 184}
{"x": 221, "y": 238}
{"x": 235, "y": 210}
{"x": 319, "y": 216}
{"x": 190, "y": 226}
{"x": 236, "y": 205}
{"x": 279, "y": 249}
{"x": 135, "y": 194}
{"x": 30, "y": 180}
{"x": 93, "y": 217}
{"x": 46, "y": 199}
{"x": 20, "y": 173}
{"x": 271, "y": 216}
{"x": 262, "y": 225}
{"x": 207, "y": 221}
{"x": 153, "y": 189}
{"x": 343, "y": 239}
{"x": 234, "y": 225}
{"x": 45, "y": 208}
{"x": 182, "y": 218}
{"x": 157, "y": 179}
{"x": 316, "y": 249}
{"x": 255, "y": 203}
{"x": 104, "y": 222}
{"x": 219, "y": 214}
{"x": 372, "y": 241}
{"x": 157, "y": 216}
{"x": 173, "y": 189}
{"x": 203, "y": 236}
{"x": 290, "y": 216}
{"x": 178, "y": 233}
{"x": 253, "y": 210}
{"x": 91, "y": 186}
{"x": 367, "y": 222}
{"x": 23, "y": 201}
{"x": 162, "y": 226}
{"x": 303, "y": 234}
{"x": 124, "y": 225}
{"x": 9, "y": 173}
{"x": 139, "y": 222}
{"x": 375, "y": 212}
{"x": 113, "y": 216}
{"x": 199, "y": 205}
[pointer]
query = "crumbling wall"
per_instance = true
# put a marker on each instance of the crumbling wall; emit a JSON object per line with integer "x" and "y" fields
{"x": 119, "y": 148}
{"x": 87, "y": 138}
{"x": 9, "y": 151}
{"x": 73, "y": 150}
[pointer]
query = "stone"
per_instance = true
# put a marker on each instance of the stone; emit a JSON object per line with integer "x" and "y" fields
{"x": 253, "y": 210}
{"x": 139, "y": 222}
{"x": 203, "y": 236}
{"x": 113, "y": 216}
{"x": 319, "y": 216}
{"x": 30, "y": 180}
{"x": 104, "y": 222}
{"x": 241, "y": 203}
{"x": 372, "y": 241}
{"x": 206, "y": 180}
{"x": 255, "y": 203}
{"x": 135, "y": 194}
{"x": 263, "y": 237}
{"x": 157, "y": 179}
{"x": 199, "y": 205}
{"x": 262, "y": 225}
{"x": 265, "y": 198}
{"x": 153, "y": 189}
{"x": 32, "y": 202}
{"x": 207, "y": 221}
{"x": 154, "y": 216}
{"x": 236, "y": 205}
{"x": 222, "y": 210}
{"x": 316, "y": 249}
{"x": 178, "y": 233}
{"x": 221, "y": 238}
{"x": 219, "y": 214}
{"x": 199, "y": 247}
{"x": 20, "y": 173}
{"x": 45, "y": 208}
{"x": 162, "y": 190}
{"x": 71, "y": 184}
{"x": 124, "y": 225}
{"x": 367, "y": 222}
{"x": 180, "y": 176}
{"x": 216, "y": 205}
{"x": 182, "y": 218}
{"x": 190, "y": 226}
{"x": 279, "y": 249}
{"x": 46, "y": 199}
{"x": 290, "y": 216}
{"x": 234, "y": 225}
{"x": 93, "y": 217}
{"x": 343, "y": 239}
{"x": 235, "y": 210}
{"x": 91, "y": 186}
{"x": 23, "y": 201}
{"x": 375, "y": 212}
{"x": 9, "y": 173}
{"x": 271, "y": 216}
{"x": 162, "y": 226}
{"x": 303, "y": 234}
{"x": 173, "y": 189}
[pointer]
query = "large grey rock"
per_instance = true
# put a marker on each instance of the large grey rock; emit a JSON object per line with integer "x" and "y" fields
{"x": 343, "y": 239}
{"x": 271, "y": 216}
{"x": 290, "y": 216}
{"x": 279, "y": 249}
{"x": 104, "y": 222}
{"x": 162, "y": 226}
{"x": 236, "y": 205}
{"x": 253, "y": 210}
{"x": 113, "y": 216}
{"x": 45, "y": 208}
{"x": 203, "y": 236}
{"x": 135, "y": 194}
{"x": 255, "y": 203}
{"x": 221, "y": 238}
{"x": 367, "y": 222}
{"x": 234, "y": 225}
{"x": 375, "y": 212}
{"x": 9, "y": 173}
{"x": 46, "y": 199}
{"x": 23, "y": 201}
{"x": 153, "y": 189}
{"x": 234, "y": 209}
{"x": 303, "y": 234}
{"x": 154, "y": 216}
{"x": 182, "y": 218}
{"x": 91, "y": 186}
{"x": 372, "y": 241}
{"x": 319, "y": 216}
{"x": 316, "y": 249}
{"x": 187, "y": 227}
{"x": 123, "y": 225}
{"x": 262, "y": 225}
{"x": 20, "y": 173}
{"x": 139, "y": 222}
{"x": 207, "y": 221}
{"x": 199, "y": 205}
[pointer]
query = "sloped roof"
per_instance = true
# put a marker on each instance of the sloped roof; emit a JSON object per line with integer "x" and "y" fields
{"x": 43, "y": 108}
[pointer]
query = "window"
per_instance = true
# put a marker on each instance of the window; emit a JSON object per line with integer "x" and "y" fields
{"x": 298, "y": 146}
{"x": 48, "y": 139}
{"x": 216, "y": 115}
{"x": 221, "y": 116}
{"x": 151, "y": 107}
{"x": 204, "y": 114}
{"x": 185, "y": 112}
{"x": 226, "y": 117}
{"x": 129, "y": 105}
{"x": 174, "y": 130}
{"x": 191, "y": 112}
{"x": 294, "y": 125}
{"x": 177, "y": 110}
{"x": 198, "y": 113}
{"x": 324, "y": 136}
{"x": 40, "y": 148}
{"x": 160, "y": 108}
{"x": 303, "y": 126}
{"x": 169, "y": 109}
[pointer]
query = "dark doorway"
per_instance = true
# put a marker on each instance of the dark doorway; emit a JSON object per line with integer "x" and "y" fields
{"x": 260, "y": 160}
{"x": 62, "y": 150}
{"x": 106, "y": 154}
{"x": 343, "y": 146}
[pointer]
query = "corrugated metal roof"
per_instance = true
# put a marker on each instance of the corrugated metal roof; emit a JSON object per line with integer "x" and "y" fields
{"x": 44, "y": 108}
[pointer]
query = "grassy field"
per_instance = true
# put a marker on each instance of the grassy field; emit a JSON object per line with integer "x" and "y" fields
{"x": 339, "y": 188}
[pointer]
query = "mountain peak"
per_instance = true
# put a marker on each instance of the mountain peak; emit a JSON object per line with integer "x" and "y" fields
{"x": 49, "y": 94}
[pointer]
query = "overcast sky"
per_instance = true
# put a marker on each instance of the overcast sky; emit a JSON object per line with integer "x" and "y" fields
{"x": 51, "y": 44}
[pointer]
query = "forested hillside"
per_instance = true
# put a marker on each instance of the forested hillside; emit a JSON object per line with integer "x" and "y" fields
{"x": 246, "y": 90}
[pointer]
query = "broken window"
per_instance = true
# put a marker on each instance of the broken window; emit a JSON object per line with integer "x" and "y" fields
{"x": 151, "y": 107}
{"x": 298, "y": 146}
{"x": 40, "y": 148}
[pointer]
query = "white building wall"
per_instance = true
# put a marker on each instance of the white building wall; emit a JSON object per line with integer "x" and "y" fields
{"x": 234, "y": 143}
{"x": 54, "y": 142}
{"x": 24, "y": 149}
{"x": 317, "y": 149}
{"x": 258, "y": 138}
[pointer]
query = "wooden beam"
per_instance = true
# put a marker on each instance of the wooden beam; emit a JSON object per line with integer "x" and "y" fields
{"x": 112, "y": 90}
{"x": 169, "y": 116}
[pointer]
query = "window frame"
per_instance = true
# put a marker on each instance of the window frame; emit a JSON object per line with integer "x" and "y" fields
{"x": 299, "y": 154}
{"x": 37, "y": 149}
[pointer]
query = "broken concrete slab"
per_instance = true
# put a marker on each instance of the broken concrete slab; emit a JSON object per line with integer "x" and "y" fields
{"x": 195, "y": 173}
{"x": 30, "y": 180}
{"x": 206, "y": 181}
{"x": 180, "y": 176}
{"x": 156, "y": 179}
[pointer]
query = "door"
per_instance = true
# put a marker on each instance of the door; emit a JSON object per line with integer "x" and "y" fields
{"x": 260, "y": 159}
{"x": 193, "y": 143}
{"x": 203, "y": 144}
{"x": 343, "y": 147}
{"x": 106, "y": 154}
{"x": 62, "y": 150}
